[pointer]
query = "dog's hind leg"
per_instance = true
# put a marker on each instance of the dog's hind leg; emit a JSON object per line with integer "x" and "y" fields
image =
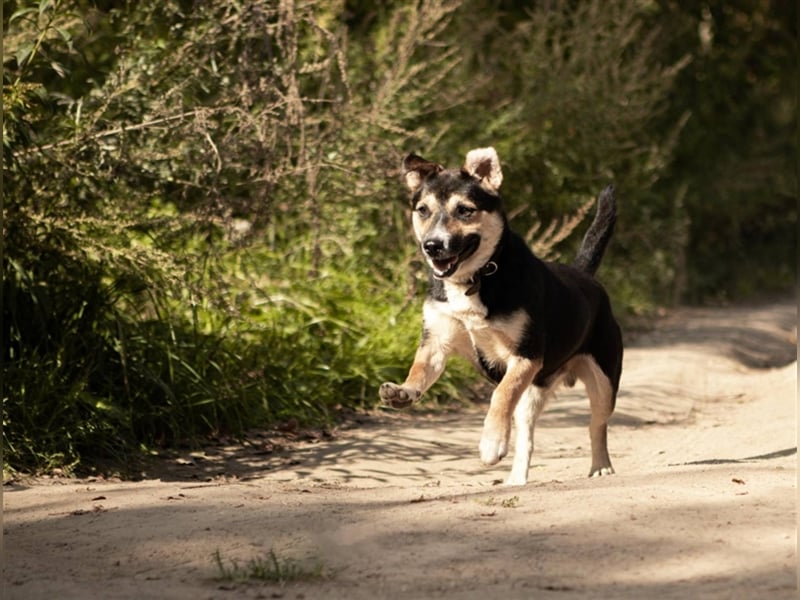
{"x": 526, "y": 414}
{"x": 601, "y": 399}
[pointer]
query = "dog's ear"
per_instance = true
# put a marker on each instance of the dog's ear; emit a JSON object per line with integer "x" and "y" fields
{"x": 484, "y": 165}
{"x": 416, "y": 170}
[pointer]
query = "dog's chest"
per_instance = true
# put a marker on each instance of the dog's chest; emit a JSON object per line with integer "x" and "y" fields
{"x": 467, "y": 309}
{"x": 496, "y": 338}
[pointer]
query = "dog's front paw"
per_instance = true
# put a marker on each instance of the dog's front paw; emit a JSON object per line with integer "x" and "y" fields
{"x": 492, "y": 450}
{"x": 494, "y": 442}
{"x": 397, "y": 396}
{"x": 515, "y": 478}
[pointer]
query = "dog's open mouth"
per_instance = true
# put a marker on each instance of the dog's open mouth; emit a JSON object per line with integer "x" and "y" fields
{"x": 444, "y": 267}
{"x": 445, "y": 263}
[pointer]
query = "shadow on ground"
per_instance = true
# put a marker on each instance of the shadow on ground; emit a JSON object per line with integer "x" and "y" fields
{"x": 757, "y": 337}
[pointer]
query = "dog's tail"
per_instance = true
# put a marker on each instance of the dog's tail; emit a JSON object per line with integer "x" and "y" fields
{"x": 597, "y": 237}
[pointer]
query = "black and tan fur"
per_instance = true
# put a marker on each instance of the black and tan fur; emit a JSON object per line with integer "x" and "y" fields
{"x": 528, "y": 325}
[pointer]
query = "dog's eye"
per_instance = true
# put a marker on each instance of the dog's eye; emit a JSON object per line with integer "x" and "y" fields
{"x": 423, "y": 211}
{"x": 464, "y": 212}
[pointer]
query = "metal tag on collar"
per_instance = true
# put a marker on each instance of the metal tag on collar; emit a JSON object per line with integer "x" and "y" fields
{"x": 489, "y": 268}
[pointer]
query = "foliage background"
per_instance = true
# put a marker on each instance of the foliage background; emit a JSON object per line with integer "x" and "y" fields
{"x": 203, "y": 230}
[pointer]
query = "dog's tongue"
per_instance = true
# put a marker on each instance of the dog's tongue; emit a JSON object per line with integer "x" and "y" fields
{"x": 443, "y": 266}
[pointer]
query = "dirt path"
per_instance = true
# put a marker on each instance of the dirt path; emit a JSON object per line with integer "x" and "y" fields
{"x": 703, "y": 504}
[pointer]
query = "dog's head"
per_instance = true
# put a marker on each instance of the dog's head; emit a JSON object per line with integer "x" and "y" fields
{"x": 458, "y": 216}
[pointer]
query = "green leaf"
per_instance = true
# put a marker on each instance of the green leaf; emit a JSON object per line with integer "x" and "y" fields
{"x": 21, "y": 13}
{"x": 23, "y": 54}
{"x": 65, "y": 35}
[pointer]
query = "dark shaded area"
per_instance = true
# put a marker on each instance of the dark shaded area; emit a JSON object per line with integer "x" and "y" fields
{"x": 759, "y": 337}
{"x": 727, "y": 461}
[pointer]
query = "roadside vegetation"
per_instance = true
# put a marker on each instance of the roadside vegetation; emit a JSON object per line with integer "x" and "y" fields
{"x": 272, "y": 568}
{"x": 203, "y": 229}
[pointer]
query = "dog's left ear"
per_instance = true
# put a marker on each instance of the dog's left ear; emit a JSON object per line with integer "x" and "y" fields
{"x": 416, "y": 170}
{"x": 484, "y": 164}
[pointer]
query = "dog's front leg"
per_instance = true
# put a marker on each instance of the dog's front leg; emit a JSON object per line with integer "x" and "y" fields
{"x": 441, "y": 337}
{"x": 428, "y": 365}
{"x": 497, "y": 425}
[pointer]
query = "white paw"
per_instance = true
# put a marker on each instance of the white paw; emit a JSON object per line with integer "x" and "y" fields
{"x": 600, "y": 471}
{"x": 492, "y": 449}
{"x": 517, "y": 478}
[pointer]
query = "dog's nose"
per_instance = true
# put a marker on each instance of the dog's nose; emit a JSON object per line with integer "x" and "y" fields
{"x": 433, "y": 247}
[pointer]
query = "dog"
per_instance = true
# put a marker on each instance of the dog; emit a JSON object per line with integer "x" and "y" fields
{"x": 528, "y": 325}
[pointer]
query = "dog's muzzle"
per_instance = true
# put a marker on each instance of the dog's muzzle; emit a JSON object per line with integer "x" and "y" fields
{"x": 445, "y": 258}
{"x": 443, "y": 261}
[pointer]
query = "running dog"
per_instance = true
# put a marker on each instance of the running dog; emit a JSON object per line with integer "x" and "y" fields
{"x": 527, "y": 324}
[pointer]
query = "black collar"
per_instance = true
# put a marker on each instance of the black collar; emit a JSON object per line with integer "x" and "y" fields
{"x": 490, "y": 268}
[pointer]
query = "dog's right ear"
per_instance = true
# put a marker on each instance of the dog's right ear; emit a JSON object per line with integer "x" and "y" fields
{"x": 416, "y": 170}
{"x": 483, "y": 164}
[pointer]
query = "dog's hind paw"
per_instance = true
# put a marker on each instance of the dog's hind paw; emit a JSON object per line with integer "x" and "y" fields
{"x": 600, "y": 471}
{"x": 397, "y": 396}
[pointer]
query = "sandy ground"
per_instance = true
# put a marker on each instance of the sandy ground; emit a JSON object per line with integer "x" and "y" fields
{"x": 703, "y": 504}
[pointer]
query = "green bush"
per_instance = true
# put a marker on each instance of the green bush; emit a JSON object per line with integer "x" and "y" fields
{"x": 196, "y": 242}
